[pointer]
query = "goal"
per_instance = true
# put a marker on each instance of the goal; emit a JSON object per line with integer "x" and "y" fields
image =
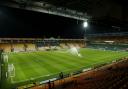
{"x": 11, "y": 70}
{"x": 5, "y": 58}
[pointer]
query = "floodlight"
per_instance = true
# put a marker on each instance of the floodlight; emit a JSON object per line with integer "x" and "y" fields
{"x": 85, "y": 24}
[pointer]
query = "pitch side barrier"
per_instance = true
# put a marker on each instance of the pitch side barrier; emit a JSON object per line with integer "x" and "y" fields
{"x": 45, "y": 80}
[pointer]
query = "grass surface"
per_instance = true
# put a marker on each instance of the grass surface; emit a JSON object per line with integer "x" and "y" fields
{"x": 35, "y": 65}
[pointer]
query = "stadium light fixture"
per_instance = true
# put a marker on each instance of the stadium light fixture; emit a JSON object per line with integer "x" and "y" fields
{"x": 85, "y": 24}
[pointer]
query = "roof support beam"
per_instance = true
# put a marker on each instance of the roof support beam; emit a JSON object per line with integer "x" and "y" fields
{"x": 46, "y": 8}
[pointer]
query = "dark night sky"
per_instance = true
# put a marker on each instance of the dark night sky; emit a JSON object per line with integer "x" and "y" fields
{"x": 21, "y": 23}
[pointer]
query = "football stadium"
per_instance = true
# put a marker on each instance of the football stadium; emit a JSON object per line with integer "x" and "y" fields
{"x": 26, "y": 63}
{"x": 94, "y": 58}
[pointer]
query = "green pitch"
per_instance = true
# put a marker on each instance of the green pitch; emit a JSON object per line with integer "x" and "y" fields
{"x": 40, "y": 65}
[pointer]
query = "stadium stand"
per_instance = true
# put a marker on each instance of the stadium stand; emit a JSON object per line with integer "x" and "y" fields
{"x": 63, "y": 46}
{"x": 108, "y": 41}
{"x": 5, "y": 47}
{"x": 30, "y": 47}
{"x": 115, "y": 39}
{"x": 18, "y": 47}
{"x": 108, "y": 46}
{"x": 32, "y": 44}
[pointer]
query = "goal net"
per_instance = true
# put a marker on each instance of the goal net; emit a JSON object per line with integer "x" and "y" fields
{"x": 5, "y": 58}
{"x": 11, "y": 70}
